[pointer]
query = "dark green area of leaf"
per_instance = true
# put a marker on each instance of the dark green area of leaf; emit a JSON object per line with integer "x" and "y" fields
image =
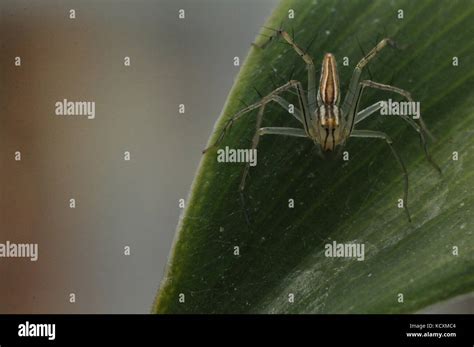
{"x": 355, "y": 201}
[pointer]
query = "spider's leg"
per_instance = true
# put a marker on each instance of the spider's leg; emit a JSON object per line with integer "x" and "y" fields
{"x": 231, "y": 121}
{"x": 402, "y": 92}
{"x": 351, "y": 100}
{"x": 295, "y": 132}
{"x": 300, "y": 114}
{"x": 286, "y": 105}
{"x": 312, "y": 90}
{"x": 419, "y": 128}
{"x": 247, "y": 165}
{"x": 255, "y": 140}
{"x": 270, "y": 38}
{"x": 381, "y": 135}
{"x": 304, "y": 119}
{"x": 309, "y": 65}
{"x": 312, "y": 103}
{"x": 366, "y": 112}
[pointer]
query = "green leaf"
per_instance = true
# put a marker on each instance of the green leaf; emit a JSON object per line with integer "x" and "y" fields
{"x": 282, "y": 251}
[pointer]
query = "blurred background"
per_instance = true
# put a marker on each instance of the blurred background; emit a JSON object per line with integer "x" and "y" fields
{"x": 119, "y": 203}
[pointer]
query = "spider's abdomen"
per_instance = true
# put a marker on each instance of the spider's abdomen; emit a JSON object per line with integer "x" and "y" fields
{"x": 326, "y": 127}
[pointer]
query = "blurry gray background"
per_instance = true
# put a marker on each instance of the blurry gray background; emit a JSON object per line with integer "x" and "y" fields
{"x": 119, "y": 203}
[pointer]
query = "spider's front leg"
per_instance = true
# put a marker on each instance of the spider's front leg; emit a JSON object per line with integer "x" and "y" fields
{"x": 350, "y": 104}
{"x": 311, "y": 96}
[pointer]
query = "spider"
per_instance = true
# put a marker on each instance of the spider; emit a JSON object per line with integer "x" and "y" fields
{"x": 323, "y": 120}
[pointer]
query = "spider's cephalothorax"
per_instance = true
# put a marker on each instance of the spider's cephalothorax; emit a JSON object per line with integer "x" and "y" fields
{"x": 322, "y": 119}
{"x": 326, "y": 123}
